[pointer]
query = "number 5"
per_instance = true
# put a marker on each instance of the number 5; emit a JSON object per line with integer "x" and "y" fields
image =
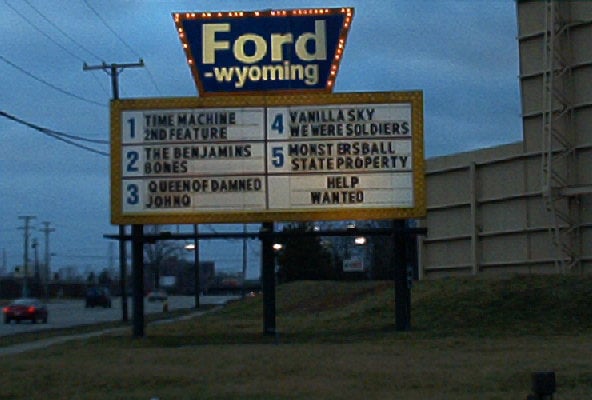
{"x": 277, "y": 157}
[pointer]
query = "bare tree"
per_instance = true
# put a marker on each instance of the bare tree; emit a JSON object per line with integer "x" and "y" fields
{"x": 156, "y": 254}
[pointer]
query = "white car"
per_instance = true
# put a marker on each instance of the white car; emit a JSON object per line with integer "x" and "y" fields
{"x": 157, "y": 295}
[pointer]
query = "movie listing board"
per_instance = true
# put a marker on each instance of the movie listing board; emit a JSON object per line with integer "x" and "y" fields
{"x": 258, "y": 159}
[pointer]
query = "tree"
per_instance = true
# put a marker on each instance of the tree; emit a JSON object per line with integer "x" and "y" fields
{"x": 159, "y": 252}
{"x": 303, "y": 256}
{"x": 104, "y": 277}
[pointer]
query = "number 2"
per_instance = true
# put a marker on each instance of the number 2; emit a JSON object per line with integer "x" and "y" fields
{"x": 132, "y": 158}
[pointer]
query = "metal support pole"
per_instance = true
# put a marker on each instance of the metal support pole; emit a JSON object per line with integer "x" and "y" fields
{"x": 196, "y": 268}
{"x": 138, "y": 279}
{"x": 402, "y": 290}
{"x": 123, "y": 273}
{"x": 268, "y": 278}
{"x": 243, "y": 289}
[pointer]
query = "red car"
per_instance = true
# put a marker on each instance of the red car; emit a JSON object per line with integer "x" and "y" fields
{"x": 25, "y": 309}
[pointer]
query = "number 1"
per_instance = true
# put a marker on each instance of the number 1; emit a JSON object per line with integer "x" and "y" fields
{"x": 132, "y": 124}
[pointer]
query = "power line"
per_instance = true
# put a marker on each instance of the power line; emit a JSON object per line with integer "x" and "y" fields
{"x": 61, "y": 30}
{"x": 50, "y": 38}
{"x": 152, "y": 79}
{"x": 111, "y": 29}
{"x": 69, "y": 139}
{"x": 31, "y": 125}
{"x": 122, "y": 41}
{"x": 34, "y": 26}
{"x": 63, "y": 91}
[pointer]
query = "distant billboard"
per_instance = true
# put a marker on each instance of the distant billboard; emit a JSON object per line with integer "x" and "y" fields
{"x": 267, "y": 158}
{"x": 264, "y": 51}
{"x": 353, "y": 265}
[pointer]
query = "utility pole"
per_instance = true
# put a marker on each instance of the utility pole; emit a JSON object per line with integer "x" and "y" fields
{"x": 47, "y": 258}
{"x": 35, "y": 247}
{"x": 27, "y": 219}
{"x": 113, "y": 70}
{"x": 47, "y": 272}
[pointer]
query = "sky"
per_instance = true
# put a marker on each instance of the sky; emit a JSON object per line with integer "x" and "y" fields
{"x": 463, "y": 55}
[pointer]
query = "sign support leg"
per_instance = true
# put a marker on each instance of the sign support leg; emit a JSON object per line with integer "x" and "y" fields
{"x": 138, "y": 280}
{"x": 123, "y": 272}
{"x": 196, "y": 269}
{"x": 268, "y": 278}
{"x": 402, "y": 290}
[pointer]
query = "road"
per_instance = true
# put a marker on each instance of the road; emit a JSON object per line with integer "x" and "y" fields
{"x": 68, "y": 313}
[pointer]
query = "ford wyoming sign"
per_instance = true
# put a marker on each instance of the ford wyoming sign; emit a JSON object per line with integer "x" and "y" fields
{"x": 264, "y": 51}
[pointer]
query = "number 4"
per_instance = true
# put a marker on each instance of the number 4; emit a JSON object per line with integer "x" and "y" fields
{"x": 278, "y": 123}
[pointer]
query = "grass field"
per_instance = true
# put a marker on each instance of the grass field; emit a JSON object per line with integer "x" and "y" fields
{"x": 470, "y": 339}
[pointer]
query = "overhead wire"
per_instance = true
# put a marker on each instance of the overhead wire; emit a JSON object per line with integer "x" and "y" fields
{"x": 54, "y": 41}
{"x": 51, "y": 85}
{"x": 104, "y": 22}
{"x": 66, "y": 138}
{"x": 56, "y": 27}
{"x": 34, "y": 26}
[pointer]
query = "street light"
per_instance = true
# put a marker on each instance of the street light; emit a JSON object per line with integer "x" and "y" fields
{"x": 277, "y": 246}
{"x": 360, "y": 240}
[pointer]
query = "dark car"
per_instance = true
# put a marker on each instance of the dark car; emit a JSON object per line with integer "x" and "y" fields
{"x": 98, "y": 296}
{"x": 25, "y": 309}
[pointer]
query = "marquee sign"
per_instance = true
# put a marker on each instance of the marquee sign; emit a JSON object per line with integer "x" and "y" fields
{"x": 245, "y": 159}
{"x": 264, "y": 51}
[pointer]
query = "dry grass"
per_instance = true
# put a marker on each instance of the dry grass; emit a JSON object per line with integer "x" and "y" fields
{"x": 337, "y": 342}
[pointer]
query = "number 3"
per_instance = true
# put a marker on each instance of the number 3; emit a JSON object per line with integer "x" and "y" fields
{"x": 132, "y": 194}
